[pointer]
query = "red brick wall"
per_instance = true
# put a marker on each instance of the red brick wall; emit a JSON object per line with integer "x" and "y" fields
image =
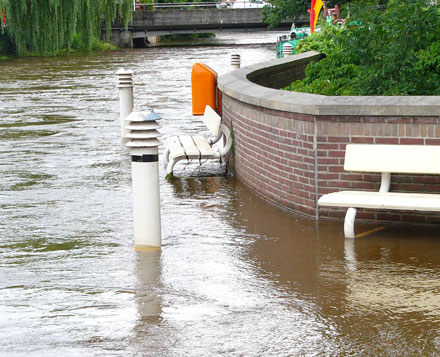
{"x": 279, "y": 154}
{"x": 273, "y": 154}
{"x": 334, "y": 133}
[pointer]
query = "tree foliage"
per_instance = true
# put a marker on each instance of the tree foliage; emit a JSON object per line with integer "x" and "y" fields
{"x": 280, "y": 10}
{"x": 395, "y": 51}
{"x": 47, "y": 26}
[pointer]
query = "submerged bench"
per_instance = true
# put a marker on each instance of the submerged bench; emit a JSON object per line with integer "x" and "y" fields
{"x": 386, "y": 159}
{"x": 198, "y": 147}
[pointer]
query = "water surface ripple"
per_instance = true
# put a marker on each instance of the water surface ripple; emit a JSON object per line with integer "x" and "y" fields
{"x": 235, "y": 277}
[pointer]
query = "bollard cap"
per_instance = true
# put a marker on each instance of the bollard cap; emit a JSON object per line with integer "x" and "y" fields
{"x": 143, "y": 143}
{"x": 142, "y": 125}
{"x": 143, "y": 134}
{"x": 287, "y": 49}
{"x": 125, "y": 78}
{"x": 124, "y": 71}
{"x": 235, "y": 59}
{"x": 144, "y": 116}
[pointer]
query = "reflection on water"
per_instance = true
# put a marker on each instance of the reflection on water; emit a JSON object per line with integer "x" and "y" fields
{"x": 236, "y": 276}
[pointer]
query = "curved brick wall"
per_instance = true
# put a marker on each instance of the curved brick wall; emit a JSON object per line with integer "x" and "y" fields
{"x": 289, "y": 147}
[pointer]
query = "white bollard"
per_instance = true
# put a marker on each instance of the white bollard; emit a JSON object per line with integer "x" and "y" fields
{"x": 143, "y": 145}
{"x": 125, "y": 85}
{"x": 287, "y": 49}
{"x": 235, "y": 62}
{"x": 148, "y": 269}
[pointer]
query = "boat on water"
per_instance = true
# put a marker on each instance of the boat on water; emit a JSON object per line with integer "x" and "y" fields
{"x": 297, "y": 34}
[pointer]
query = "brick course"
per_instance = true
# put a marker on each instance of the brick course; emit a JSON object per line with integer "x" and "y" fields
{"x": 288, "y": 157}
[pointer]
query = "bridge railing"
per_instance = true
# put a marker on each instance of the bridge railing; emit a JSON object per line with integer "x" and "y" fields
{"x": 198, "y": 5}
{"x": 176, "y": 5}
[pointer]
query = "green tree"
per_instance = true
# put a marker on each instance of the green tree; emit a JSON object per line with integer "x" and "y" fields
{"x": 395, "y": 51}
{"x": 47, "y": 26}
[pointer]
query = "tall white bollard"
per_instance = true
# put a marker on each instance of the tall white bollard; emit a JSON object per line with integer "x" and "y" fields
{"x": 143, "y": 145}
{"x": 287, "y": 49}
{"x": 235, "y": 62}
{"x": 148, "y": 270}
{"x": 125, "y": 85}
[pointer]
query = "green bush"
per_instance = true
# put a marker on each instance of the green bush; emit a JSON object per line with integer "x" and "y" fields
{"x": 382, "y": 52}
{"x": 95, "y": 44}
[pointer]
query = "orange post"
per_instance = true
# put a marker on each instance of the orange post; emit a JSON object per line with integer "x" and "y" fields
{"x": 204, "y": 88}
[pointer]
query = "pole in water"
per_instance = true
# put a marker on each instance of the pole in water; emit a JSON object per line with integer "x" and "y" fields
{"x": 235, "y": 62}
{"x": 143, "y": 145}
{"x": 125, "y": 85}
{"x": 287, "y": 49}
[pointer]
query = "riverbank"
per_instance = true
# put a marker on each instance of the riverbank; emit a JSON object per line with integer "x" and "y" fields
{"x": 97, "y": 46}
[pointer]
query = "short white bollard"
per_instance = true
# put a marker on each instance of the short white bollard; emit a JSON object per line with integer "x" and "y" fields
{"x": 143, "y": 145}
{"x": 235, "y": 62}
{"x": 125, "y": 85}
{"x": 287, "y": 49}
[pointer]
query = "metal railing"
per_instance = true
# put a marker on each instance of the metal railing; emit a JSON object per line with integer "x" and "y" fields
{"x": 175, "y": 5}
{"x": 198, "y": 5}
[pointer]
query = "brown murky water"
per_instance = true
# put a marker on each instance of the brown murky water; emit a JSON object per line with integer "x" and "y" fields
{"x": 235, "y": 277}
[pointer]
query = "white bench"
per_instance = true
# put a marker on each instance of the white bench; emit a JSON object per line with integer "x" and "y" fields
{"x": 386, "y": 159}
{"x": 198, "y": 147}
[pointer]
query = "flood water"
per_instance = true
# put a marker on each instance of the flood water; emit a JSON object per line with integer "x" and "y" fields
{"x": 235, "y": 276}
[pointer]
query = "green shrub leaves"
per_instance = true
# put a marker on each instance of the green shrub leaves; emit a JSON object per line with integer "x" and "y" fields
{"x": 395, "y": 51}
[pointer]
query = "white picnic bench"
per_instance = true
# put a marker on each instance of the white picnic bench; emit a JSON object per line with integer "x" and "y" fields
{"x": 386, "y": 159}
{"x": 198, "y": 147}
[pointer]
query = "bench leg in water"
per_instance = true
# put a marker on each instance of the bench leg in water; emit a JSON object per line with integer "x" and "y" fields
{"x": 170, "y": 166}
{"x": 350, "y": 216}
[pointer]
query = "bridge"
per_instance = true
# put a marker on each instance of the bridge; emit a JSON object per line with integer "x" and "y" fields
{"x": 186, "y": 18}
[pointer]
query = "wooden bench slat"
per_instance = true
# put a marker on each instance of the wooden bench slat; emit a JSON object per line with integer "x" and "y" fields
{"x": 190, "y": 148}
{"x": 385, "y": 200}
{"x": 419, "y": 159}
{"x": 198, "y": 147}
{"x": 212, "y": 120}
{"x": 176, "y": 149}
{"x": 206, "y": 150}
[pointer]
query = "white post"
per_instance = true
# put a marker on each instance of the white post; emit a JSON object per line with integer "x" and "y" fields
{"x": 235, "y": 62}
{"x": 148, "y": 269}
{"x": 125, "y": 85}
{"x": 287, "y": 49}
{"x": 143, "y": 145}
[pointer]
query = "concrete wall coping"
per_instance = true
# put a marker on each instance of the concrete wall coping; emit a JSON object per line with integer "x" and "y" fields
{"x": 238, "y": 85}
